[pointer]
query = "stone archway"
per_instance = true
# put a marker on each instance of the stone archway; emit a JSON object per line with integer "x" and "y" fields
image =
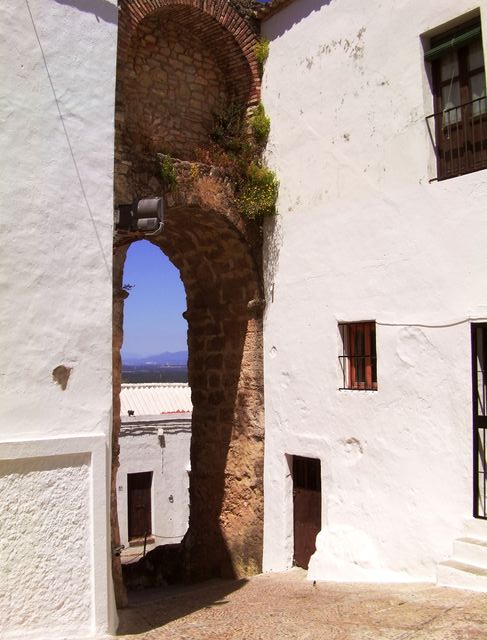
{"x": 178, "y": 62}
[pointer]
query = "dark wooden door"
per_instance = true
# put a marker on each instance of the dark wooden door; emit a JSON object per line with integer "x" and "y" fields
{"x": 307, "y": 508}
{"x": 139, "y": 504}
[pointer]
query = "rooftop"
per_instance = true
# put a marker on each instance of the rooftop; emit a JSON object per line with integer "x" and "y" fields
{"x": 149, "y": 399}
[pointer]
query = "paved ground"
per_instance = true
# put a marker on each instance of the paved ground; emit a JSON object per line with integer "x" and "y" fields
{"x": 285, "y": 606}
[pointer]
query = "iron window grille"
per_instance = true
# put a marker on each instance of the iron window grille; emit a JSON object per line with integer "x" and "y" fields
{"x": 358, "y": 361}
{"x": 458, "y": 126}
{"x": 479, "y": 397}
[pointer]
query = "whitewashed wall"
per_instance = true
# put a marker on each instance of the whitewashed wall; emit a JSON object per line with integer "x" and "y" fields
{"x": 168, "y": 457}
{"x": 362, "y": 234}
{"x": 57, "y": 56}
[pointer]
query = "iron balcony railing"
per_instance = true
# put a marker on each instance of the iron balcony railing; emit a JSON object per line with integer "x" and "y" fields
{"x": 459, "y": 137}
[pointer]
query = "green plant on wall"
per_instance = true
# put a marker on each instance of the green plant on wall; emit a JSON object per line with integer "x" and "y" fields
{"x": 236, "y": 145}
{"x": 227, "y": 127}
{"x": 258, "y": 191}
{"x": 260, "y": 124}
{"x": 261, "y": 52}
{"x": 169, "y": 174}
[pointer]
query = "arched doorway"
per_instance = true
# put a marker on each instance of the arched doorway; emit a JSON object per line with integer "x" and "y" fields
{"x": 177, "y": 66}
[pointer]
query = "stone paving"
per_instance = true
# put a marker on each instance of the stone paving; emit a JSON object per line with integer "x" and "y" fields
{"x": 286, "y": 606}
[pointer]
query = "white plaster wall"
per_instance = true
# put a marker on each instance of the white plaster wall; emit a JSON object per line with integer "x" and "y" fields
{"x": 57, "y": 59}
{"x": 54, "y": 579}
{"x": 56, "y": 225}
{"x": 45, "y": 545}
{"x": 168, "y": 458}
{"x": 363, "y": 235}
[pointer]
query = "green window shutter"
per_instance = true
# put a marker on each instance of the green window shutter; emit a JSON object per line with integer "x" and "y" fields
{"x": 459, "y": 39}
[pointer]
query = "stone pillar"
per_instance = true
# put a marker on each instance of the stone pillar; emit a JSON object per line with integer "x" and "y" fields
{"x": 226, "y": 513}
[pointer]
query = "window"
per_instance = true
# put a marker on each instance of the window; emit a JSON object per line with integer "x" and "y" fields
{"x": 459, "y": 123}
{"x": 358, "y": 361}
{"x": 479, "y": 388}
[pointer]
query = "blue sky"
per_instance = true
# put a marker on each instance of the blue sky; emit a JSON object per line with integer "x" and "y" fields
{"x": 152, "y": 312}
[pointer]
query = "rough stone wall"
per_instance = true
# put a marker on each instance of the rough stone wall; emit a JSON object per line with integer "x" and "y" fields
{"x": 176, "y": 66}
{"x": 217, "y": 255}
{"x": 45, "y": 544}
{"x": 230, "y": 33}
{"x": 225, "y": 377}
{"x": 171, "y": 91}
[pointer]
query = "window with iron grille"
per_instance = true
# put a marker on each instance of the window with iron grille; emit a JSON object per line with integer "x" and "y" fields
{"x": 358, "y": 361}
{"x": 458, "y": 125}
{"x": 479, "y": 389}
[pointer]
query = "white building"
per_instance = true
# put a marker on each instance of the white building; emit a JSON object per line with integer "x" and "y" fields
{"x": 378, "y": 442}
{"x": 58, "y": 79}
{"x": 152, "y": 481}
{"x": 371, "y": 230}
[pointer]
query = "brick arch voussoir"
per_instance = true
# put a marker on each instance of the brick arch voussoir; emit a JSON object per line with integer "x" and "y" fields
{"x": 133, "y": 12}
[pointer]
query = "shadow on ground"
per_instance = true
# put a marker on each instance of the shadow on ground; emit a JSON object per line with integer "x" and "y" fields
{"x": 153, "y": 608}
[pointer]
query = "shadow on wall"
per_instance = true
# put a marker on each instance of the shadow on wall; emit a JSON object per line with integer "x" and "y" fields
{"x": 292, "y": 15}
{"x": 101, "y": 9}
{"x": 273, "y": 240}
{"x": 219, "y": 279}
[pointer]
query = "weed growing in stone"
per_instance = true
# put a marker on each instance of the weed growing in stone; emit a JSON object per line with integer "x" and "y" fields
{"x": 236, "y": 145}
{"x": 260, "y": 124}
{"x": 194, "y": 172}
{"x": 169, "y": 175}
{"x": 261, "y": 53}
{"x": 227, "y": 126}
{"x": 258, "y": 192}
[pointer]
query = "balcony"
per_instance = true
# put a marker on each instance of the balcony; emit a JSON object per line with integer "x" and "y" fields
{"x": 459, "y": 137}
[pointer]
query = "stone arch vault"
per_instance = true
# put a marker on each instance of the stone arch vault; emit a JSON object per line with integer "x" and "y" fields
{"x": 177, "y": 62}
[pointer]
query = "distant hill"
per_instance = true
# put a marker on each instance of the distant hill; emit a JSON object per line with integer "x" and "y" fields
{"x": 168, "y": 358}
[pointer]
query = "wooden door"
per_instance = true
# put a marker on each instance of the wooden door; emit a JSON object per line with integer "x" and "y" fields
{"x": 307, "y": 508}
{"x": 139, "y": 504}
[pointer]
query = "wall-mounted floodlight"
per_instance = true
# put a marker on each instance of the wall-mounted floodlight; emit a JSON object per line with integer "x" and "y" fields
{"x": 142, "y": 216}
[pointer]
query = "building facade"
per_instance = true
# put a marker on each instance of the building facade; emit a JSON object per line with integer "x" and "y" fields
{"x": 374, "y": 300}
{"x": 153, "y": 477}
{"x": 375, "y": 286}
{"x": 58, "y": 68}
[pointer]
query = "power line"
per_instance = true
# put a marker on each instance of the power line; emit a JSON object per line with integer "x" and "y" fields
{"x": 70, "y": 147}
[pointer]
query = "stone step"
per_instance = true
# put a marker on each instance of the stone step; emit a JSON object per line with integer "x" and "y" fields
{"x": 475, "y": 528}
{"x": 471, "y": 551}
{"x": 460, "y": 575}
